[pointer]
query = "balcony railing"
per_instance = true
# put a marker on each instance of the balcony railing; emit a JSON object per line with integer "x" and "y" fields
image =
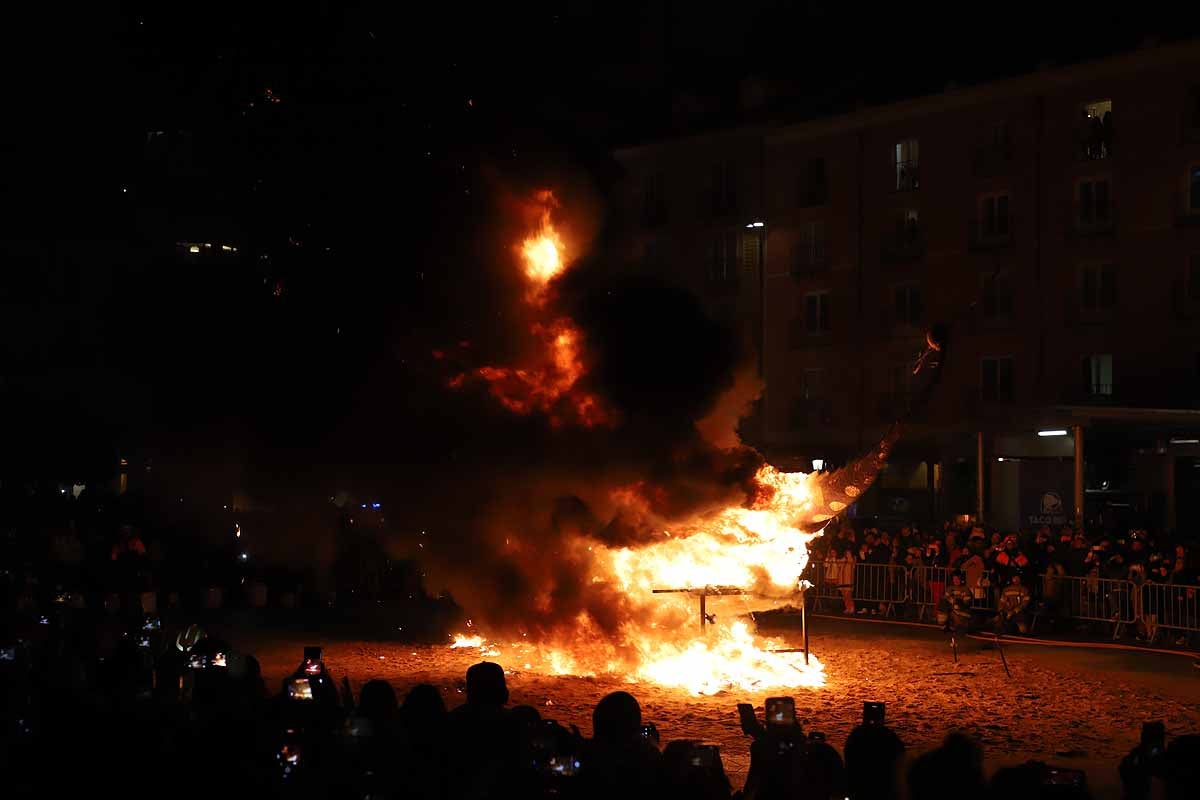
{"x": 990, "y": 234}
{"x": 908, "y": 176}
{"x": 903, "y": 246}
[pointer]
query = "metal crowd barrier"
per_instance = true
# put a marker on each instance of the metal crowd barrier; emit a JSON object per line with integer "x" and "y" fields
{"x": 1157, "y": 606}
{"x": 893, "y": 587}
{"x": 1167, "y": 605}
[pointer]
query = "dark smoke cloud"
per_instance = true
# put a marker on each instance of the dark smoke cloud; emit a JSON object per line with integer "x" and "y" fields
{"x": 662, "y": 364}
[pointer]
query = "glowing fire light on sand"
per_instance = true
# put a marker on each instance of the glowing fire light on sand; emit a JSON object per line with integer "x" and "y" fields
{"x": 757, "y": 548}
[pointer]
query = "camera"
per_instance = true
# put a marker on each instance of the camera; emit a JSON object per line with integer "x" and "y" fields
{"x": 152, "y": 624}
{"x": 706, "y": 756}
{"x": 144, "y": 642}
{"x": 816, "y": 736}
{"x": 1154, "y": 737}
{"x": 565, "y": 765}
{"x": 874, "y": 712}
{"x": 299, "y": 689}
{"x": 312, "y": 660}
{"x": 8, "y": 654}
{"x": 650, "y": 733}
{"x": 781, "y": 712}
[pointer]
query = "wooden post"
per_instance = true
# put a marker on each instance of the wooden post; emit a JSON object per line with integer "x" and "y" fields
{"x": 703, "y": 609}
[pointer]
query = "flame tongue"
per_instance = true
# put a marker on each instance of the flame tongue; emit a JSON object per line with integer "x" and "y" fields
{"x": 547, "y": 379}
{"x": 757, "y": 550}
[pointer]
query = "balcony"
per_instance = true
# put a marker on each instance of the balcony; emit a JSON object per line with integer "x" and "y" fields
{"x": 989, "y": 234}
{"x": 991, "y": 161}
{"x": 900, "y": 247}
{"x": 908, "y": 176}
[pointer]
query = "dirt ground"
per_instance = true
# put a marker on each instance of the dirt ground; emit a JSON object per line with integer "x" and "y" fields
{"x": 1075, "y": 707}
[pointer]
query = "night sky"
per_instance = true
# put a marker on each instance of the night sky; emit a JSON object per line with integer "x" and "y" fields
{"x": 359, "y": 155}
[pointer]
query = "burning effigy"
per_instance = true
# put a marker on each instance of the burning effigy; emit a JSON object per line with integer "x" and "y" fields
{"x": 612, "y": 588}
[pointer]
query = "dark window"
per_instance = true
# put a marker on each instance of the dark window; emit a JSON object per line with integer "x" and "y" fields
{"x": 816, "y": 313}
{"x": 993, "y": 215}
{"x": 723, "y": 252}
{"x": 810, "y": 251}
{"x": 997, "y": 296}
{"x": 996, "y": 380}
{"x": 654, "y": 207}
{"x": 812, "y": 384}
{"x": 1098, "y": 375}
{"x": 1099, "y": 283}
{"x": 814, "y": 190}
{"x": 908, "y": 304}
{"x": 907, "y": 162}
{"x": 724, "y": 188}
{"x": 1194, "y": 189}
{"x": 1094, "y": 203}
{"x": 1191, "y": 111}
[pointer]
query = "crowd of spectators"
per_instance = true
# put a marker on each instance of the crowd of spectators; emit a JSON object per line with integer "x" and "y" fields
{"x": 1032, "y": 570}
{"x": 125, "y": 707}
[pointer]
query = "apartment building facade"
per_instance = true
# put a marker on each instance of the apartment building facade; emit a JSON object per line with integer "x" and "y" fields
{"x": 1052, "y": 222}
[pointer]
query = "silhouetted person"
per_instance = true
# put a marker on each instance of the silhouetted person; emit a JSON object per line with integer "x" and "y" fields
{"x": 952, "y": 771}
{"x": 481, "y": 733}
{"x": 873, "y": 755}
{"x": 619, "y": 761}
{"x": 377, "y": 703}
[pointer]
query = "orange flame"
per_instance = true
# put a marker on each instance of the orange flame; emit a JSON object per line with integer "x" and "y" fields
{"x": 547, "y": 382}
{"x": 746, "y": 559}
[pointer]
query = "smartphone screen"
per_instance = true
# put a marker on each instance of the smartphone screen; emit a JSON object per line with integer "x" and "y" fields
{"x": 1056, "y": 776}
{"x": 706, "y": 756}
{"x": 563, "y": 765}
{"x": 1154, "y": 736}
{"x": 781, "y": 711}
{"x": 300, "y": 689}
{"x": 874, "y": 713}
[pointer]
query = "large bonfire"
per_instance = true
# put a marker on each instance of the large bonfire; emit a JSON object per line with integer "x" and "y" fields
{"x": 744, "y": 558}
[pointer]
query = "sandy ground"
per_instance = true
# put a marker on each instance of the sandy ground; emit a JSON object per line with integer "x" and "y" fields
{"x": 1075, "y": 707}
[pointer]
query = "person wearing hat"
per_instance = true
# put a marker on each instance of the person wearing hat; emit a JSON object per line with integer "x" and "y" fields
{"x": 1014, "y": 600}
{"x": 954, "y": 609}
{"x": 1010, "y": 559}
